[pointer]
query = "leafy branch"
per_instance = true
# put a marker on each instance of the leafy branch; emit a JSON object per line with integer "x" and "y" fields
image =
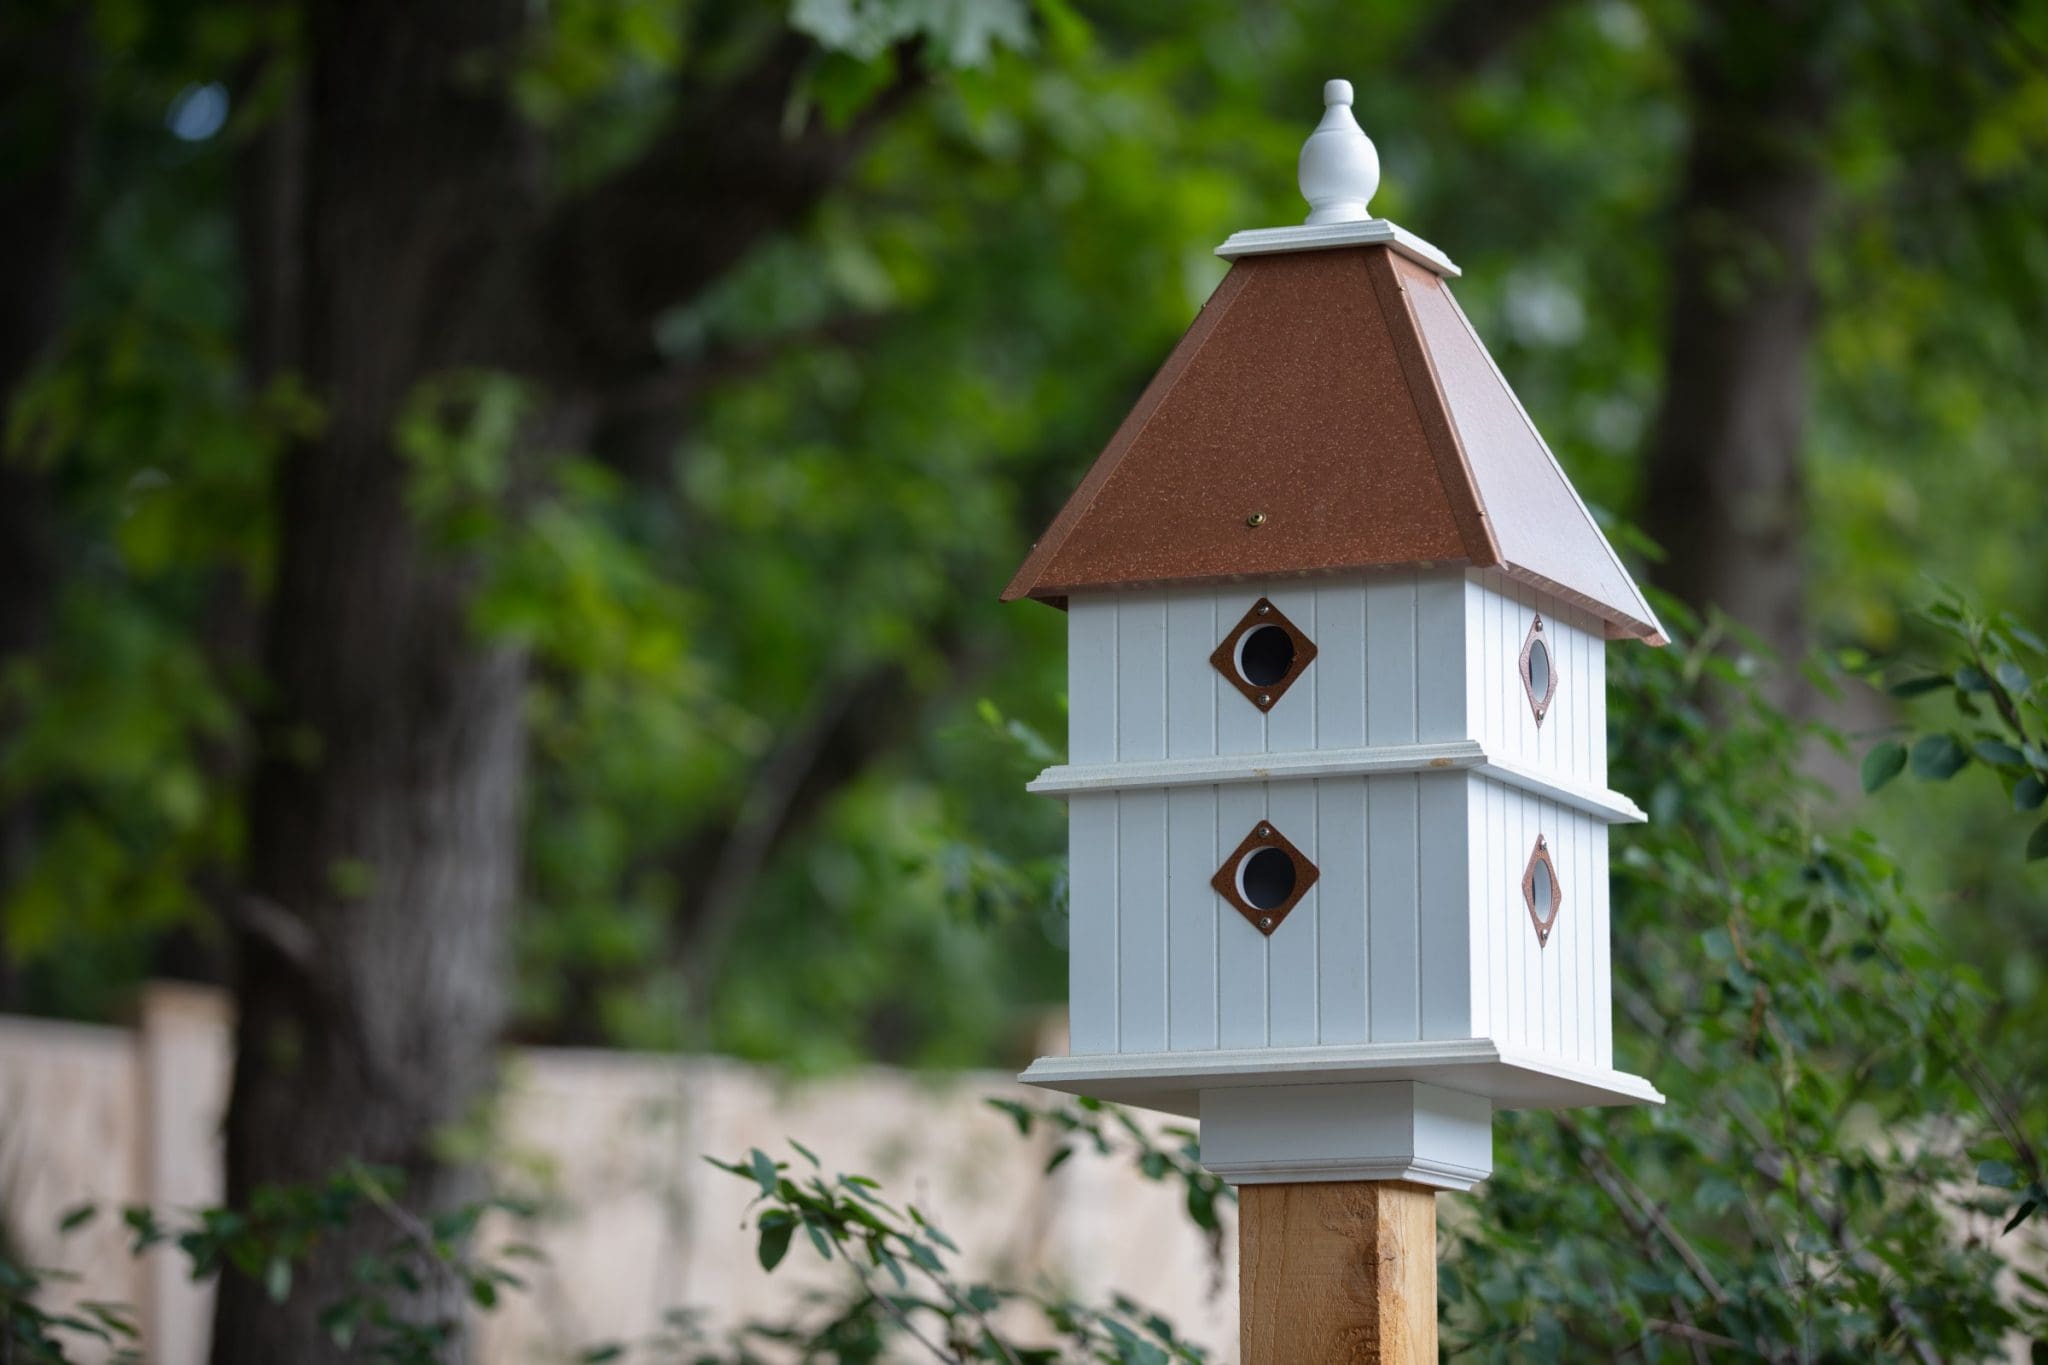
{"x": 1995, "y": 680}
{"x": 897, "y": 1259}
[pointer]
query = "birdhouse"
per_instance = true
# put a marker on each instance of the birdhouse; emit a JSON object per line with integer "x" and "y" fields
{"x": 1336, "y": 778}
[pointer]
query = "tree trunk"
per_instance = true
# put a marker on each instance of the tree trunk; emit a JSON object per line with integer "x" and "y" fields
{"x": 383, "y": 818}
{"x": 45, "y": 86}
{"x": 1725, "y": 495}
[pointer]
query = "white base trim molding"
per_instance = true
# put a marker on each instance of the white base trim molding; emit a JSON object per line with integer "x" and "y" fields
{"x": 1388, "y": 1130}
{"x": 1173, "y": 1082}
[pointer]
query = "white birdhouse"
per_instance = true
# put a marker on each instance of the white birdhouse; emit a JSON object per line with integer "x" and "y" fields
{"x": 1337, "y": 751}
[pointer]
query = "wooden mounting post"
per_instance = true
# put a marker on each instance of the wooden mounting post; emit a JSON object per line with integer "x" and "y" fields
{"x": 1337, "y": 1272}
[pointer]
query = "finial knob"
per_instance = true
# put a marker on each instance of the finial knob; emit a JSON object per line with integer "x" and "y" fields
{"x": 1340, "y": 168}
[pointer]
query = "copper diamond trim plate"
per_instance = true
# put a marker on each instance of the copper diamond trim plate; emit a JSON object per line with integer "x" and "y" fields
{"x": 1264, "y": 835}
{"x": 1539, "y": 705}
{"x": 1224, "y": 659}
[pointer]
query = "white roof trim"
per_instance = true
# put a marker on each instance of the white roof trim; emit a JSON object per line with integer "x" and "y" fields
{"x": 1367, "y": 232}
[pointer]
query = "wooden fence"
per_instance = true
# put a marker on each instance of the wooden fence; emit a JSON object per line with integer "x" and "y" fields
{"x": 636, "y": 1224}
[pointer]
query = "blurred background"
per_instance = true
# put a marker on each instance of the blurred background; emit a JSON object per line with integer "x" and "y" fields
{"x": 503, "y": 503}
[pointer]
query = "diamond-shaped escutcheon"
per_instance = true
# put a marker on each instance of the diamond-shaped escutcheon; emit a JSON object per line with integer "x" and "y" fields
{"x": 1541, "y": 892}
{"x": 1265, "y": 878}
{"x": 1264, "y": 654}
{"x": 1539, "y": 670}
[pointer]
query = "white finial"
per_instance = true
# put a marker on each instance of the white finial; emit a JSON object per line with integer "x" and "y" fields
{"x": 1340, "y": 168}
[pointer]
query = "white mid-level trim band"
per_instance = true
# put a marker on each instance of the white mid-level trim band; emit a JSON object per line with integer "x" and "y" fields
{"x": 1461, "y": 755}
{"x": 1367, "y": 232}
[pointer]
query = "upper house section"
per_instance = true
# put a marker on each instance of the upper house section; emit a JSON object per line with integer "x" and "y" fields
{"x": 1332, "y": 410}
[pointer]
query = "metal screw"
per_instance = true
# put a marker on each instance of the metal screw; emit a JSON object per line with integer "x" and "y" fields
{"x": 1265, "y": 699}
{"x": 1265, "y": 921}
{"x": 1265, "y": 607}
{"x": 1256, "y": 519}
{"x": 1265, "y": 832}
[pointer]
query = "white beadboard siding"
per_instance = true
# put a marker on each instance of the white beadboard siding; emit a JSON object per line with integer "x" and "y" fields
{"x": 1440, "y": 656}
{"x": 1603, "y": 998}
{"x": 1572, "y": 741}
{"x": 1191, "y": 635}
{"x": 1141, "y": 676}
{"x": 1192, "y": 906}
{"x": 1390, "y": 659}
{"x": 1091, "y": 923}
{"x": 1341, "y": 1001}
{"x": 1393, "y": 891}
{"x": 1549, "y": 998}
{"x": 1340, "y": 665}
{"x": 1293, "y": 950}
{"x": 1392, "y": 650}
{"x": 1141, "y": 921}
{"x": 1241, "y": 950}
{"x": 1415, "y": 930}
{"x": 1445, "y": 949}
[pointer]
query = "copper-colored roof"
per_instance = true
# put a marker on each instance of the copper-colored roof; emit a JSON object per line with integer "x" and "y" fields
{"x": 1340, "y": 400}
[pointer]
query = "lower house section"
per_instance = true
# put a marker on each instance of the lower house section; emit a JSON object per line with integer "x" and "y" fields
{"x": 1416, "y": 927}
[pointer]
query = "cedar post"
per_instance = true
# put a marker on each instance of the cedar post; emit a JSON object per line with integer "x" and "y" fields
{"x": 1339, "y": 1271}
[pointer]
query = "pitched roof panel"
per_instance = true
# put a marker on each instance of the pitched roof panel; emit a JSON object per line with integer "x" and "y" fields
{"x": 1328, "y": 410}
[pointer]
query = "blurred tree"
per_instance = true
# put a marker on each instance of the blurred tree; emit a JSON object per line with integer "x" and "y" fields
{"x": 45, "y": 111}
{"x": 427, "y": 276}
{"x": 1724, "y": 489}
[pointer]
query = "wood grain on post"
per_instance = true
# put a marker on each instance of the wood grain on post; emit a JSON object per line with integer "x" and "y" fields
{"x": 1344, "y": 1271}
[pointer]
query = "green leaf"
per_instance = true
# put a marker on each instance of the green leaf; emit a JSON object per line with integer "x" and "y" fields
{"x": 1882, "y": 764}
{"x": 805, "y": 1152}
{"x": 2012, "y": 677}
{"x": 819, "y": 1240}
{"x": 1937, "y": 758}
{"x": 775, "y": 1241}
{"x": 78, "y": 1217}
{"x": 766, "y": 1173}
{"x": 1997, "y": 1173}
{"x": 2026, "y": 1211}
{"x": 2037, "y": 843}
{"x": 1916, "y": 687}
{"x": 1998, "y": 754}
{"x": 2028, "y": 793}
{"x": 1971, "y": 679}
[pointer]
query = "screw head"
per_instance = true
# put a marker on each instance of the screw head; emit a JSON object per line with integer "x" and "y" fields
{"x": 1265, "y": 699}
{"x": 1265, "y": 608}
{"x": 1265, "y": 921}
{"x": 1255, "y": 520}
{"x": 1265, "y": 832}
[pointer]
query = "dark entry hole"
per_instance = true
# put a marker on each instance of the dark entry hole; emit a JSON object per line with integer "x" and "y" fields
{"x": 1267, "y": 878}
{"x": 1264, "y": 655}
{"x": 1539, "y": 671}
